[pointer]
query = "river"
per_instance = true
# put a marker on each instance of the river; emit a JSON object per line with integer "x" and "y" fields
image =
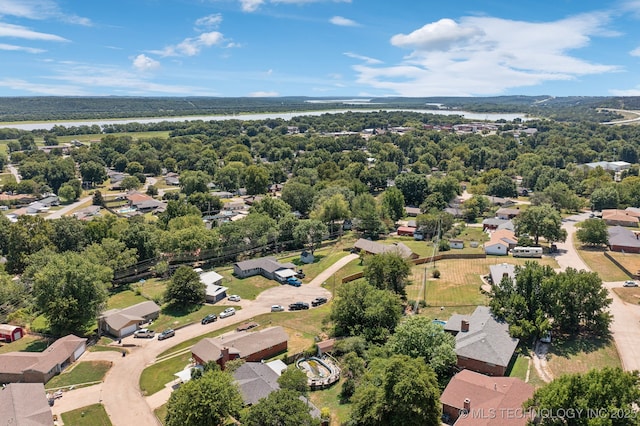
{"x": 48, "y": 125}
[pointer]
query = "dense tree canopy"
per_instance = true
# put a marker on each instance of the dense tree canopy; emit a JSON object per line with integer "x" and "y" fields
{"x": 541, "y": 221}
{"x": 282, "y": 408}
{"x": 593, "y": 232}
{"x": 185, "y": 288}
{"x": 388, "y": 271}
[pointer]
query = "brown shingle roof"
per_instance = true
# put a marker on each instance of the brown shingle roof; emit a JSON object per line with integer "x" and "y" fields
{"x": 242, "y": 343}
{"x": 24, "y": 404}
{"x": 57, "y": 353}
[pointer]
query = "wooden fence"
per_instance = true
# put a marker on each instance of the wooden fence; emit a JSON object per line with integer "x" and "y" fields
{"x": 622, "y": 268}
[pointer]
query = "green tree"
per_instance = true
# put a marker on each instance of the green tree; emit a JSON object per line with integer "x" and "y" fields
{"x": 541, "y": 221}
{"x": 502, "y": 186}
{"x": 111, "y": 253}
{"x": 593, "y": 232}
{"x": 363, "y": 310}
{"x": 97, "y": 199}
{"x": 414, "y": 187}
{"x": 395, "y": 392}
{"x": 330, "y": 209}
{"x": 194, "y": 181}
{"x": 282, "y": 408}
{"x": 229, "y": 177}
{"x": 208, "y": 400}
{"x": 68, "y": 234}
{"x": 205, "y": 202}
{"x": 273, "y": 207}
{"x": 28, "y": 235}
{"x": 70, "y": 291}
{"x": 419, "y": 337}
{"x": 366, "y": 210}
{"x": 93, "y": 173}
{"x": 388, "y": 271}
{"x": 310, "y": 233}
{"x": 299, "y": 196}
{"x": 393, "y": 203}
{"x": 256, "y": 179}
{"x": 610, "y": 392}
{"x": 562, "y": 197}
{"x": 133, "y": 168}
{"x": 294, "y": 380}
{"x": 130, "y": 183}
{"x": 605, "y": 197}
{"x": 185, "y": 288}
{"x": 141, "y": 237}
{"x": 67, "y": 193}
{"x": 152, "y": 190}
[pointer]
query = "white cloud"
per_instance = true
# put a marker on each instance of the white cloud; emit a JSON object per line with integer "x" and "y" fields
{"x": 343, "y": 22}
{"x": 264, "y": 94}
{"x": 625, "y": 92}
{"x": 486, "y": 55}
{"x": 39, "y": 10}
{"x": 209, "y": 21}
{"x": 366, "y": 59}
{"x": 18, "y": 31}
{"x": 13, "y": 47}
{"x": 144, "y": 63}
{"x": 191, "y": 46}
{"x": 635, "y": 52}
{"x": 251, "y": 5}
{"x": 41, "y": 89}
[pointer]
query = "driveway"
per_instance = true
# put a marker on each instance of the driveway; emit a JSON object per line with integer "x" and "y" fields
{"x": 120, "y": 391}
{"x": 625, "y": 327}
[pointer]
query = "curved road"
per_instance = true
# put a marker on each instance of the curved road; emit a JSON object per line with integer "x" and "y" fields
{"x": 120, "y": 392}
{"x": 625, "y": 327}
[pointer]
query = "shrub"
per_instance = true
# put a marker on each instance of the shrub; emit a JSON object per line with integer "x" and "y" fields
{"x": 436, "y": 273}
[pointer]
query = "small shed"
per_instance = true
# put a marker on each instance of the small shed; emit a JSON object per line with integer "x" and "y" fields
{"x": 406, "y": 231}
{"x": 456, "y": 244}
{"x": 10, "y": 333}
{"x": 306, "y": 257}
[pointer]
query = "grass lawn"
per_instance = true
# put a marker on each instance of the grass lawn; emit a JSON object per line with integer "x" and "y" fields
{"x": 628, "y": 294}
{"x": 523, "y": 364}
{"x": 597, "y": 262}
{"x": 81, "y": 372}
{"x": 330, "y": 398}
{"x": 161, "y": 413}
{"x": 631, "y": 261}
{"x": 28, "y": 343}
{"x": 154, "y": 377}
{"x": 246, "y": 288}
{"x": 581, "y": 354}
{"x": 175, "y": 317}
{"x": 123, "y": 299}
{"x": 324, "y": 258}
{"x": 152, "y": 288}
{"x": 92, "y": 415}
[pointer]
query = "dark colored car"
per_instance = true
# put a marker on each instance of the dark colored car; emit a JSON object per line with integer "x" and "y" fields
{"x": 300, "y": 274}
{"x": 294, "y": 282}
{"x": 166, "y": 334}
{"x": 209, "y": 318}
{"x": 297, "y": 306}
{"x": 319, "y": 301}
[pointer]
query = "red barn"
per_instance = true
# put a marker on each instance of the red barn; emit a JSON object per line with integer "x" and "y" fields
{"x": 406, "y": 231}
{"x": 10, "y": 333}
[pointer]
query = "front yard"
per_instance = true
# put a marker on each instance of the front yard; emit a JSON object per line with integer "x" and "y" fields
{"x": 581, "y": 354}
{"x": 92, "y": 415}
{"x": 80, "y": 373}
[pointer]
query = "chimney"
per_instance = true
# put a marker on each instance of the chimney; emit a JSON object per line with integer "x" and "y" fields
{"x": 495, "y": 386}
{"x": 464, "y": 326}
{"x": 225, "y": 357}
{"x": 467, "y": 404}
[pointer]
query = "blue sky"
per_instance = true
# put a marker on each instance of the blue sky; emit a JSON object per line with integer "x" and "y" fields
{"x": 319, "y": 47}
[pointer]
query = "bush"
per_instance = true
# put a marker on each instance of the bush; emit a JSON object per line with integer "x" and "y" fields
{"x": 444, "y": 245}
{"x": 436, "y": 273}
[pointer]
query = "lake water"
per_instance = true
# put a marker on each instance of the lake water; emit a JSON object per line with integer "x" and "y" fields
{"x": 48, "y": 125}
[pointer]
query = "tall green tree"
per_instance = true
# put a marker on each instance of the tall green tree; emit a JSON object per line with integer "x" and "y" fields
{"x": 593, "y": 232}
{"x": 93, "y": 173}
{"x": 211, "y": 399}
{"x": 299, "y": 196}
{"x": 502, "y": 186}
{"x": 388, "y": 271}
{"x": 541, "y": 221}
{"x": 395, "y": 392}
{"x": 330, "y": 209}
{"x": 283, "y": 408}
{"x": 294, "y": 379}
{"x": 393, "y": 203}
{"x": 605, "y": 197}
{"x": 68, "y": 234}
{"x": 366, "y": 210}
{"x": 185, "y": 288}
{"x": 70, "y": 291}
{"x": 414, "y": 187}
{"x": 310, "y": 233}
{"x": 194, "y": 181}
{"x": 256, "y": 179}
{"x": 28, "y": 235}
{"x": 273, "y": 207}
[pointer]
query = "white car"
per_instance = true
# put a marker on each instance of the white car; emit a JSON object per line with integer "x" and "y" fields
{"x": 227, "y": 312}
{"x": 234, "y": 298}
{"x": 630, "y": 283}
{"x": 277, "y": 308}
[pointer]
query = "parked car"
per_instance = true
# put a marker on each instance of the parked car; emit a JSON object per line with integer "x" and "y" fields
{"x": 319, "y": 301}
{"x": 277, "y": 308}
{"x": 297, "y": 306}
{"x": 209, "y": 318}
{"x": 630, "y": 283}
{"x": 227, "y": 312}
{"x": 166, "y": 334}
{"x": 300, "y": 274}
{"x": 234, "y": 298}
{"x": 144, "y": 333}
{"x": 294, "y": 282}
{"x": 546, "y": 337}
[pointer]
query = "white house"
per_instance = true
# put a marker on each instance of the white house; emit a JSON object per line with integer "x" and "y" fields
{"x": 215, "y": 291}
{"x": 499, "y": 248}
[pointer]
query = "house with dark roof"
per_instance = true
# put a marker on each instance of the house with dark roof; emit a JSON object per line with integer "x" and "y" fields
{"x": 123, "y": 322}
{"x": 40, "y": 367}
{"x": 483, "y": 343}
{"x": 373, "y": 247}
{"x": 250, "y": 346}
{"x": 25, "y": 404}
{"x": 265, "y": 266}
{"x": 492, "y": 223}
{"x": 257, "y": 380}
{"x": 623, "y": 240}
{"x": 470, "y": 392}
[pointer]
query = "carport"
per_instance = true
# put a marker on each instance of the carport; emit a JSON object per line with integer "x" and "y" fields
{"x": 283, "y": 274}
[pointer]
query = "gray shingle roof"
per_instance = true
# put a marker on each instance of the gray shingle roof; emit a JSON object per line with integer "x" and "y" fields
{"x": 619, "y": 236}
{"x": 487, "y": 340}
{"x": 377, "y": 248}
{"x": 498, "y": 271}
{"x": 25, "y": 404}
{"x": 118, "y": 318}
{"x": 269, "y": 264}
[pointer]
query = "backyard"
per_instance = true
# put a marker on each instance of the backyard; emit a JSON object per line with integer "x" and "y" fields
{"x": 596, "y": 261}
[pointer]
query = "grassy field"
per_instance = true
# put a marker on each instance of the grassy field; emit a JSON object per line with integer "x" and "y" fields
{"x": 581, "y": 355}
{"x": 631, "y": 261}
{"x": 175, "y": 317}
{"x": 597, "y": 262}
{"x": 330, "y": 398}
{"x": 628, "y": 294}
{"x": 123, "y": 299}
{"x": 81, "y": 372}
{"x": 92, "y": 415}
{"x": 522, "y": 365}
{"x": 28, "y": 343}
{"x": 246, "y": 288}
{"x": 154, "y": 377}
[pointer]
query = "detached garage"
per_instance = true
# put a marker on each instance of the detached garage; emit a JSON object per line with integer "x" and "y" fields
{"x": 10, "y": 333}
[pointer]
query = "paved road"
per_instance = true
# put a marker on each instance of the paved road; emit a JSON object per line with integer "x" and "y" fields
{"x": 625, "y": 326}
{"x": 14, "y": 172}
{"x": 120, "y": 392}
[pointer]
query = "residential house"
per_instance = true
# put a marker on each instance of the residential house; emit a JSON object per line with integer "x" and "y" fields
{"x": 214, "y": 291}
{"x": 172, "y": 179}
{"x": 500, "y": 242}
{"x": 623, "y": 240}
{"x": 492, "y": 223}
{"x": 250, "y": 346}
{"x": 412, "y": 211}
{"x": 470, "y": 392}
{"x": 505, "y": 213}
{"x": 222, "y": 194}
{"x": 40, "y": 367}
{"x": 257, "y": 380}
{"x": 235, "y": 206}
{"x": 123, "y": 322}
{"x": 405, "y": 231}
{"x": 615, "y": 217}
{"x": 275, "y": 188}
{"x": 507, "y": 225}
{"x": 25, "y": 404}
{"x": 253, "y": 199}
{"x": 87, "y": 213}
{"x": 500, "y": 201}
{"x": 372, "y": 247}
{"x": 483, "y": 343}
{"x": 265, "y": 266}
{"x": 501, "y": 270}
{"x": 144, "y": 203}
{"x": 50, "y": 201}
{"x": 10, "y": 333}
{"x": 616, "y": 166}
{"x": 456, "y": 244}
{"x": 456, "y": 212}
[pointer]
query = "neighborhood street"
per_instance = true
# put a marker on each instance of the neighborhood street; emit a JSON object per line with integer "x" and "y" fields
{"x": 120, "y": 388}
